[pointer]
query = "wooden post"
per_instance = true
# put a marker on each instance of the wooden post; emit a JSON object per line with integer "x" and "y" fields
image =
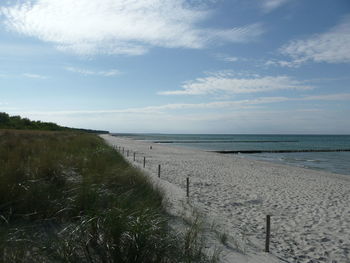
{"x": 127, "y": 153}
{"x": 268, "y": 229}
{"x": 144, "y": 162}
{"x": 158, "y": 170}
{"x": 134, "y": 156}
{"x": 187, "y": 187}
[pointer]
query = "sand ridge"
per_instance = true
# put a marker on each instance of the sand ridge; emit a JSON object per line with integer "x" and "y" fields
{"x": 310, "y": 209}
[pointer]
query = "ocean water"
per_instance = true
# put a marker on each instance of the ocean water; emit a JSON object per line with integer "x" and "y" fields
{"x": 267, "y": 147}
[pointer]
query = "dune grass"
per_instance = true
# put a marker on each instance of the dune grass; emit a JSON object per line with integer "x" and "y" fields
{"x": 68, "y": 197}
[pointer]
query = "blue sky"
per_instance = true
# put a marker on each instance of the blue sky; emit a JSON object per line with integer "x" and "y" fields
{"x": 176, "y": 66}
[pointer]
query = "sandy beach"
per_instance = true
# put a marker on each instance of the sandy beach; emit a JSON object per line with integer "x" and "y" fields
{"x": 310, "y": 210}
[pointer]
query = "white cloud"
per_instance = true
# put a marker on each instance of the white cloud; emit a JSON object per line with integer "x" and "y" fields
{"x": 226, "y": 82}
{"x": 228, "y": 58}
{"x": 282, "y": 63}
{"x": 330, "y": 47}
{"x": 269, "y": 5}
{"x": 236, "y": 34}
{"x": 34, "y": 76}
{"x": 86, "y": 72}
{"x": 231, "y": 59}
{"x": 88, "y": 27}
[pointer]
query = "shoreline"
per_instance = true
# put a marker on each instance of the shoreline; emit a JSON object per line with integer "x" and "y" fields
{"x": 321, "y": 153}
{"x": 310, "y": 211}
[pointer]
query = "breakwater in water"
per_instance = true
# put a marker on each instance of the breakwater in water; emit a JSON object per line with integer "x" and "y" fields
{"x": 281, "y": 151}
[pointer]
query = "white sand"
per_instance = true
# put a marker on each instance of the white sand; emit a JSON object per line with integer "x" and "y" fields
{"x": 310, "y": 209}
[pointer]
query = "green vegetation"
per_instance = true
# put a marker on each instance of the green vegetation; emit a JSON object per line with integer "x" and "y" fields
{"x": 16, "y": 122}
{"x": 68, "y": 197}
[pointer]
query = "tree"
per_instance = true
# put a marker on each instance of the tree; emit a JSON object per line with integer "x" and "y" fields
{"x": 4, "y": 118}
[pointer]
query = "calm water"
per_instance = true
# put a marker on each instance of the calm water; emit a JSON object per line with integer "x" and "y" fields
{"x": 337, "y": 162}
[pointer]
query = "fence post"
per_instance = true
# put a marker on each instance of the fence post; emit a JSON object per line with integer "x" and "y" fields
{"x": 134, "y": 156}
{"x": 187, "y": 187}
{"x": 158, "y": 170}
{"x": 123, "y": 150}
{"x": 268, "y": 229}
{"x": 144, "y": 162}
{"x": 127, "y": 153}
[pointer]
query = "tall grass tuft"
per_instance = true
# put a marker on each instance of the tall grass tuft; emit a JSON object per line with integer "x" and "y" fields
{"x": 68, "y": 197}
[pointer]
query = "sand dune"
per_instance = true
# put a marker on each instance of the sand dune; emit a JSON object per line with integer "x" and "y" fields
{"x": 310, "y": 210}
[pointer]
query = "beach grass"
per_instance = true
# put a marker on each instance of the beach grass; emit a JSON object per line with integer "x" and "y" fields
{"x": 68, "y": 197}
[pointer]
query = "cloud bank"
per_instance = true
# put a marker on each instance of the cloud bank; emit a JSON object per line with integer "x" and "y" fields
{"x": 132, "y": 27}
{"x": 227, "y": 83}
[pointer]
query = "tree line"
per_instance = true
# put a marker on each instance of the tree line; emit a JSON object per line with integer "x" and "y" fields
{"x": 19, "y": 123}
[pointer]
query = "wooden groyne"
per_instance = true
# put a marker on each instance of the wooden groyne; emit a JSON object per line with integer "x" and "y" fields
{"x": 281, "y": 151}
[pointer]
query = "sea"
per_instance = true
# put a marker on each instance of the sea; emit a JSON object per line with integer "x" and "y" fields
{"x": 319, "y": 152}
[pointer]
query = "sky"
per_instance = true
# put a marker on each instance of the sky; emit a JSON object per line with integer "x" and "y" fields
{"x": 178, "y": 66}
